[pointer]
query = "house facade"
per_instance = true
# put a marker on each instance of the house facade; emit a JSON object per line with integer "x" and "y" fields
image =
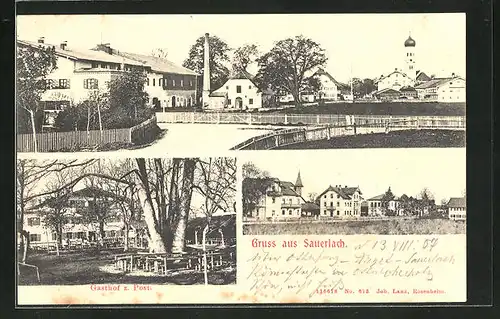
{"x": 282, "y": 199}
{"x": 80, "y": 73}
{"x": 240, "y": 91}
{"x": 77, "y": 229}
{"x": 449, "y": 90}
{"x": 376, "y": 206}
{"x": 387, "y": 94}
{"x": 340, "y": 202}
{"x": 329, "y": 87}
{"x": 394, "y": 80}
{"x": 457, "y": 208}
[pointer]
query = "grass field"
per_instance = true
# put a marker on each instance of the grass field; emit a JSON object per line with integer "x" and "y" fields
{"x": 395, "y": 139}
{"x": 383, "y": 108}
{"x": 87, "y": 267}
{"x": 385, "y": 227}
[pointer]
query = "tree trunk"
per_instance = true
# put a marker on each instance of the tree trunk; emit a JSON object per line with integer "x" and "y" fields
{"x": 126, "y": 244}
{"x": 156, "y": 243}
{"x": 26, "y": 246}
{"x": 179, "y": 236}
{"x": 35, "y": 143}
{"x": 205, "y": 271}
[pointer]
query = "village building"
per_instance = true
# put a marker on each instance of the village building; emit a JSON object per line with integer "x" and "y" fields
{"x": 330, "y": 89}
{"x": 450, "y": 89}
{"x": 80, "y": 73}
{"x": 77, "y": 229}
{"x": 340, "y": 202}
{"x": 239, "y": 93}
{"x": 457, "y": 208}
{"x": 387, "y": 94}
{"x": 282, "y": 199}
{"x": 408, "y": 92}
{"x": 380, "y": 206}
{"x": 394, "y": 80}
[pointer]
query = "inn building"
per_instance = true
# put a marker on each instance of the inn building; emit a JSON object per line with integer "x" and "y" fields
{"x": 340, "y": 201}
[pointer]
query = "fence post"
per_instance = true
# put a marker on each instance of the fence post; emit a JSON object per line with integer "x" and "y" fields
{"x": 249, "y": 118}
{"x": 317, "y": 119}
{"x": 130, "y": 135}
{"x": 286, "y": 119}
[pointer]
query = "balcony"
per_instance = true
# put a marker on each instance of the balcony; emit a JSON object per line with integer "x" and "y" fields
{"x": 290, "y": 205}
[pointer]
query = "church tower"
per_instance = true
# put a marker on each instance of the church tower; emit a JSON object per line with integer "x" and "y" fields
{"x": 410, "y": 67}
{"x": 298, "y": 185}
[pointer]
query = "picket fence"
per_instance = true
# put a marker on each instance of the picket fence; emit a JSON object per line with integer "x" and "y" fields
{"x": 77, "y": 140}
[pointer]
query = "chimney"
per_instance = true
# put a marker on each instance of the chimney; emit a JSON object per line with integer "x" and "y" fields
{"x": 206, "y": 71}
{"x": 41, "y": 40}
{"x": 63, "y": 45}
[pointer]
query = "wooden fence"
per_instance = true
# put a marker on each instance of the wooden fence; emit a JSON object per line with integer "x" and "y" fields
{"x": 297, "y": 119}
{"x": 76, "y": 140}
{"x": 284, "y": 137}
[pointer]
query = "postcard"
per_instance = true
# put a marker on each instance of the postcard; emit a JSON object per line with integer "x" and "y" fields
{"x": 240, "y": 159}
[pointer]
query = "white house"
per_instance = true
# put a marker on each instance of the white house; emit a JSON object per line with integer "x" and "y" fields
{"x": 329, "y": 87}
{"x": 76, "y": 229}
{"x": 238, "y": 93}
{"x": 450, "y": 89}
{"x": 282, "y": 200}
{"x": 457, "y": 209}
{"x": 340, "y": 202}
{"x": 394, "y": 80}
{"x": 376, "y": 205}
{"x": 83, "y": 72}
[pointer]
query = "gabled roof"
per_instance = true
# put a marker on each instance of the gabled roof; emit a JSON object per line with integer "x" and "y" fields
{"x": 309, "y": 207}
{"x": 457, "y": 202}
{"x": 344, "y": 192}
{"x": 321, "y": 71}
{"x": 421, "y": 76}
{"x": 407, "y": 89}
{"x": 157, "y": 64}
{"x": 380, "y": 197}
{"x": 82, "y": 54}
{"x": 386, "y": 90}
{"x": 431, "y": 83}
{"x": 388, "y": 75}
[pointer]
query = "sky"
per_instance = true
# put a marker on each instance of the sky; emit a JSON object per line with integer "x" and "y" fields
{"x": 406, "y": 171}
{"x": 357, "y": 45}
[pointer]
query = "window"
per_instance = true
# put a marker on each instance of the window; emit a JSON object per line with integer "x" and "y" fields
{"x": 338, "y": 204}
{"x": 35, "y": 237}
{"x": 160, "y": 80}
{"x": 147, "y": 81}
{"x": 331, "y": 204}
{"x": 274, "y": 200}
{"x": 95, "y": 65}
{"x": 54, "y": 236}
{"x": 63, "y": 84}
{"x": 229, "y": 101}
{"x": 250, "y": 87}
{"x": 154, "y": 82}
{"x": 324, "y": 196}
{"x": 250, "y": 101}
{"x": 227, "y": 87}
{"x": 33, "y": 221}
{"x": 289, "y": 212}
{"x": 338, "y": 196}
{"x": 283, "y": 212}
{"x": 238, "y": 89}
{"x": 90, "y": 84}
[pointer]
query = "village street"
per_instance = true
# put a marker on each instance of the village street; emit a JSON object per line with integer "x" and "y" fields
{"x": 184, "y": 139}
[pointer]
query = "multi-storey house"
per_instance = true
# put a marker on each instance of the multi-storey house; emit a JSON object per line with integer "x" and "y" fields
{"x": 340, "y": 202}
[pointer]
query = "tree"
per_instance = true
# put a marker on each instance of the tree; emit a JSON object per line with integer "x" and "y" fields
{"x": 386, "y": 199}
{"x": 218, "y": 58}
{"x": 159, "y": 53}
{"x": 368, "y": 86}
{"x": 243, "y": 56}
{"x": 254, "y": 186}
{"x": 29, "y": 173}
{"x": 127, "y": 97}
{"x": 284, "y": 68}
{"x": 312, "y": 197}
{"x": 32, "y": 67}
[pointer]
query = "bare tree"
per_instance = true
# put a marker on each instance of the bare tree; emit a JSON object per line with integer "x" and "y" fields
{"x": 159, "y": 53}
{"x": 312, "y": 196}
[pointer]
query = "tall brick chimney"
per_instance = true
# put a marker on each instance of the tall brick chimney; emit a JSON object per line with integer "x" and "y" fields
{"x": 41, "y": 40}
{"x": 206, "y": 71}
{"x": 63, "y": 45}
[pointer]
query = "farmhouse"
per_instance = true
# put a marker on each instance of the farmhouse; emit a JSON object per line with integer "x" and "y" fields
{"x": 379, "y": 205}
{"x": 340, "y": 201}
{"x": 451, "y": 89}
{"x": 387, "y": 94}
{"x": 83, "y": 72}
{"x": 457, "y": 208}
{"x": 239, "y": 93}
{"x": 282, "y": 199}
{"x": 394, "y": 80}
{"x": 330, "y": 88}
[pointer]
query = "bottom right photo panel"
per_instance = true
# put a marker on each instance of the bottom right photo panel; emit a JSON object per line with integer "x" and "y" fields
{"x": 354, "y": 225}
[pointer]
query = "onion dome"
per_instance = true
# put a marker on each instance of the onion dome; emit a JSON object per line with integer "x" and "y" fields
{"x": 409, "y": 42}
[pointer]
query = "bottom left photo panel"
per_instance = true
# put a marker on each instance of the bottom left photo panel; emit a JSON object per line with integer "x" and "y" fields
{"x": 125, "y": 224}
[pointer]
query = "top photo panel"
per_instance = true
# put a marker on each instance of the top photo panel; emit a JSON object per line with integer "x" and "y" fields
{"x": 147, "y": 85}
